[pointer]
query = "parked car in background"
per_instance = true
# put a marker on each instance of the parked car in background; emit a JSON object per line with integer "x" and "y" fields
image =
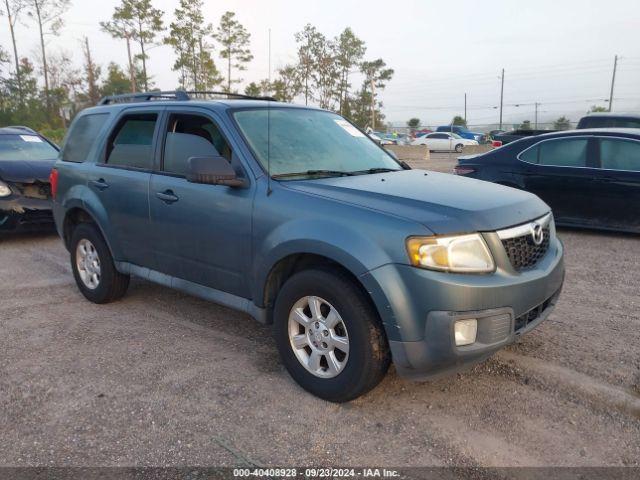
{"x": 354, "y": 258}
{"x": 590, "y": 178}
{"x": 26, "y": 159}
{"x": 609, "y": 120}
{"x": 444, "y": 142}
{"x": 513, "y": 135}
{"x": 380, "y": 139}
{"x": 464, "y": 133}
{"x": 422, "y": 133}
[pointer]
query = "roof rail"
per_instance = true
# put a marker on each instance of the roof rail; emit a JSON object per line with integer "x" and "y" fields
{"x": 179, "y": 95}
{"x": 144, "y": 97}
{"x": 232, "y": 95}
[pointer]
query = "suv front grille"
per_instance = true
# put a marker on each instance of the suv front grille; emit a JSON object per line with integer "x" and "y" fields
{"x": 532, "y": 315}
{"x": 527, "y": 244}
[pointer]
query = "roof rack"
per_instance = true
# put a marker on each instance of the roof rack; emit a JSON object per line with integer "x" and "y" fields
{"x": 231, "y": 95}
{"x": 179, "y": 95}
{"x": 144, "y": 97}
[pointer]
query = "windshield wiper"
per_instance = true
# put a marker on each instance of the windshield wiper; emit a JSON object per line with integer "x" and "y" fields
{"x": 375, "y": 170}
{"x": 335, "y": 173}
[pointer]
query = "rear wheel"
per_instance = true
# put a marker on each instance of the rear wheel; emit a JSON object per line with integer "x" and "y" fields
{"x": 329, "y": 336}
{"x": 93, "y": 267}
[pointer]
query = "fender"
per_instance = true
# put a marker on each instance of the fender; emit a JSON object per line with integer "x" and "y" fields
{"x": 345, "y": 247}
{"x": 79, "y": 196}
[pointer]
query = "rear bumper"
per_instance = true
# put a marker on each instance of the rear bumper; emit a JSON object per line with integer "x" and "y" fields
{"x": 419, "y": 308}
{"x": 20, "y": 214}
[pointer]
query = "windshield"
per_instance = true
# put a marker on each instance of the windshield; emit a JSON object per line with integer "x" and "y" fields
{"x": 455, "y": 135}
{"x": 25, "y": 147}
{"x": 310, "y": 140}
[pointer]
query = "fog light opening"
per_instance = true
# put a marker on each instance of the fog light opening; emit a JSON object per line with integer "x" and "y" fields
{"x": 465, "y": 331}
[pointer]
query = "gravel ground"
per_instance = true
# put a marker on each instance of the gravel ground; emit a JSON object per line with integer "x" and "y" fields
{"x": 164, "y": 379}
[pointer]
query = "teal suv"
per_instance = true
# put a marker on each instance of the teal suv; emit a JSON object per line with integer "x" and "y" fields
{"x": 296, "y": 217}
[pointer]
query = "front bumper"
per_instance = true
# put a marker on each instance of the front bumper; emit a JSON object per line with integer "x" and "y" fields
{"x": 22, "y": 214}
{"x": 419, "y": 308}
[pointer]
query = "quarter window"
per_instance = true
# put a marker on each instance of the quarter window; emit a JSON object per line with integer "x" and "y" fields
{"x": 617, "y": 154}
{"x": 191, "y": 136}
{"x": 131, "y": 142}
{"x": 82, "y": 136}
{"x": 564, "y": 153}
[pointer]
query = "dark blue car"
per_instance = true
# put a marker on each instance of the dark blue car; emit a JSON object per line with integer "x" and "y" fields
{"x": 355, "y": 259}
{"x": 26, "y": 159}
{"x": 590, "y": 178}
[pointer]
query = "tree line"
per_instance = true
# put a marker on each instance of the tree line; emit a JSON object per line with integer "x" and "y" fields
{"x": 46, "y": 90}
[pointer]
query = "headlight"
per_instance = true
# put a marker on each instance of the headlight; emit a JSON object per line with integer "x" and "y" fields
{"x": 5, "y": 191}
{"x": 461, "y": 254}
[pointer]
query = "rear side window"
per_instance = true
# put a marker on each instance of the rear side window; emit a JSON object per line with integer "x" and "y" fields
{"x": 617, "y": 154}
{"x": 563, "y": 153}
{"x": 82, "y": 136}
{"x": 131, "y": 142}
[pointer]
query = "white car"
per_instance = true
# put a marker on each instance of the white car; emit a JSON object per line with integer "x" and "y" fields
{"x": 444, "y": 141}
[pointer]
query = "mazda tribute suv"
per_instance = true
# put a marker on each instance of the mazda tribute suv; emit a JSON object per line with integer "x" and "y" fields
{"x": 295, "y": 216}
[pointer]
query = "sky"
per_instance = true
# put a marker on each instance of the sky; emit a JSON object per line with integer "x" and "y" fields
{"x": 558, "y": 53}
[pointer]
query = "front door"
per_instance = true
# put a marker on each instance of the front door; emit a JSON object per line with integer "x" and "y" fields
{"x": 202, "y": 232}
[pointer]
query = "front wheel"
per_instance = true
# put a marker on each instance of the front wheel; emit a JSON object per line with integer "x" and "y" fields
{"x": 459, "y": 148}
{"x": 329, "y": 336}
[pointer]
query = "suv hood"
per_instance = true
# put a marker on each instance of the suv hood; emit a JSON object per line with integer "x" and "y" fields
{"x": 26, "y": 171}
{"x": 442, "y": 202}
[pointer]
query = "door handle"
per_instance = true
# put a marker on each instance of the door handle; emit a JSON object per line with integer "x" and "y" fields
{"x": 167, "y": 196}
{"x": 100, "y": 184}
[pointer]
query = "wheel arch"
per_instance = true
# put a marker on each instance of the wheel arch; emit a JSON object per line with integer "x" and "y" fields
{"x": 292, "y": 263}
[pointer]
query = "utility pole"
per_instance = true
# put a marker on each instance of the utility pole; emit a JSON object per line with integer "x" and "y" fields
{"x": 501, "y": 97}
{"x": 465, "y": 108}
{"x": 269, "y": 73}
{"x": 536, "y": 122}
{"x": 613, "y": 80}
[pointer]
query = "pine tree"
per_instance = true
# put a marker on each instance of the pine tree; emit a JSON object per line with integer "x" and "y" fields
{"x": 187, "y": 37}
{"x": 48, "y": 15}
{"x": 234, "y": 40}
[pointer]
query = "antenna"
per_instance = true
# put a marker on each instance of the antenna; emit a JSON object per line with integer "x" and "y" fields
{"x": 269, "y": 125}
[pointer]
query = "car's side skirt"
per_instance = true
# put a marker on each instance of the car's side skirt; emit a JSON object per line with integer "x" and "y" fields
{"x": 195, "y": 289}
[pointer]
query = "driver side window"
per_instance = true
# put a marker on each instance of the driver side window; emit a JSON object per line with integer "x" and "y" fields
{"x": 191, "y": 136}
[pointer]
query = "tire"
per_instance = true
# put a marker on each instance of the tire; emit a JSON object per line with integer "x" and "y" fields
{"x": 459, "y": 147}
{"x": 109, "y": 284}
{"x": 367, "y": 358}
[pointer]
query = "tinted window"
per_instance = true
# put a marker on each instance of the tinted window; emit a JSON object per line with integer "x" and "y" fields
{"x": 82, "y": 136}
{"x": 191, "y": 136}
{"x": 25, "y": 147}
{"x": 131, "y": 142}
{"x": 616, "y": 154}
{"x": 609, "y": 122}
{"x": 530, "y": 155}
{"x": 564, "y": 153}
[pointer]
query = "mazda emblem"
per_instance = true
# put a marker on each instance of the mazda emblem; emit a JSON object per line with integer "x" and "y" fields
{"x": 537, "y": 233}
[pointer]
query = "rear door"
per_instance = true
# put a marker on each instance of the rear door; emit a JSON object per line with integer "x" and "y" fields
{"x": 618, "y": 182}
{"x": 121, "y": 181}
{"x": 562, "y": 172}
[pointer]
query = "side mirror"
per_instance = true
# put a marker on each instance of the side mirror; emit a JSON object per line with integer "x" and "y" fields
{"x": 214, "y": 170}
